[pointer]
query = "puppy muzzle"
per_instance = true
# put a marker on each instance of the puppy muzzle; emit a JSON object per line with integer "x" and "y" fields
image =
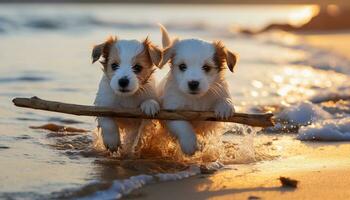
{"x": 123, "y": 86}
{"x": 193, "y": 87}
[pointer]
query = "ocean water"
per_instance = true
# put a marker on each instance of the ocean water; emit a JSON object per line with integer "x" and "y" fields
{"x": 45, "y": 52}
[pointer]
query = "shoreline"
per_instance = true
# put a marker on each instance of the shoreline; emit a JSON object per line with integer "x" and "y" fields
{"x": 324, "y": 167}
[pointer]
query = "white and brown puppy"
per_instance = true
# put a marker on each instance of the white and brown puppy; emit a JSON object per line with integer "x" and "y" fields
{"x": 127, "y": 82}
{"x": 195, "y": 82}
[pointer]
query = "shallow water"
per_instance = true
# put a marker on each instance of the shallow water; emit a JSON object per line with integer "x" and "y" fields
{"x": 45, "y": 51}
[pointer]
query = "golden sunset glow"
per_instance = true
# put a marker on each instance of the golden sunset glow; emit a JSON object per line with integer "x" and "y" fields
{"x": 175, "y": 99}
{"x": 303, "y": 15}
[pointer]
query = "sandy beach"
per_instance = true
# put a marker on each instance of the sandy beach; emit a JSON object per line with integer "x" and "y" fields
{"x": 322, "y": 170}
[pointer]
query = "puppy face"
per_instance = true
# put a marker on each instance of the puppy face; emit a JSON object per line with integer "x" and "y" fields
{"x": 196, "y": 65}
{"x": 128, "y": 64}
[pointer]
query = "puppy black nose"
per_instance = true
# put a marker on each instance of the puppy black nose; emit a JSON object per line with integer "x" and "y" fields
{"x": 123, "y": 82}
{"x": 193, "y": 85}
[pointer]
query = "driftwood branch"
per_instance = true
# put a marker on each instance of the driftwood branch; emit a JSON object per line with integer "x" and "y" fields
{"x": 258, "y": 120}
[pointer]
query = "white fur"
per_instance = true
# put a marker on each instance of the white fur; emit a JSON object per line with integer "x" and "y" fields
{"x": 213, "y": 93}
{"x": 127, "y": 49}
{"x": 195, "y": 53}
{"x": 108, "y": 94}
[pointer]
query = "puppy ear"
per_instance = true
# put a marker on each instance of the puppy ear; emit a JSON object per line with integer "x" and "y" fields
{"x": 97, "y": 52}
{"x": 231, "y": 59}
{"x": 154, "y": 52}
{"x": 166, "y": 41}
{"x": 222, "y": 54}
{"x": 168, "y": 53}
{"x": 102, "y": 49}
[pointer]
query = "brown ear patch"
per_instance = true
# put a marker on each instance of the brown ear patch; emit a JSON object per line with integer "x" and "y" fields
{"x": 219, "y": 55}
{"x": 96, "y": 52}
{"x": 103, "y": 49}
{"x": 143, "y": 59}
{"x": 222, "y": 54}
{"x": 146, "y": 59}
{"x": 154, "y": 53}
{"x": 231, "y": 60}
{"x": 168, "y": 54}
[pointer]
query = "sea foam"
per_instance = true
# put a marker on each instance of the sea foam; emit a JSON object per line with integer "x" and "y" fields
{"x": 327, "y": 130}
{"x": 121, "y": 188}
{"x": 304, "y": 113}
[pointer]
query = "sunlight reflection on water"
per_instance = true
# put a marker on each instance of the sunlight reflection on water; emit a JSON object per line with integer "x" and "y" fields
{"x": 47, "y": 54}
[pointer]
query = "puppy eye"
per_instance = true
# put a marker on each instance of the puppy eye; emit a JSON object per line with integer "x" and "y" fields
{"x": 206, "y": 68}
{"x": 182, "y": 67}
{"x": 137, "y": 68}
{"x": 115, "y": 66}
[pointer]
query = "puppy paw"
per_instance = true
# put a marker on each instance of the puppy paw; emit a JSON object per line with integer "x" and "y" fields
{"x": 110, "y": 138}
{"x": 188, "y": 144}
{"x": 224, "y": 109}
{"x": 150, "y": 107}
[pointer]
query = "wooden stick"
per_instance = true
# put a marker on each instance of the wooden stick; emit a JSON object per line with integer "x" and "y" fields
{"x": 258, "y": 120}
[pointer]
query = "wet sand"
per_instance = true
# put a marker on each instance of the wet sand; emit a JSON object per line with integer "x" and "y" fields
{"x": 322, "y": 171}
